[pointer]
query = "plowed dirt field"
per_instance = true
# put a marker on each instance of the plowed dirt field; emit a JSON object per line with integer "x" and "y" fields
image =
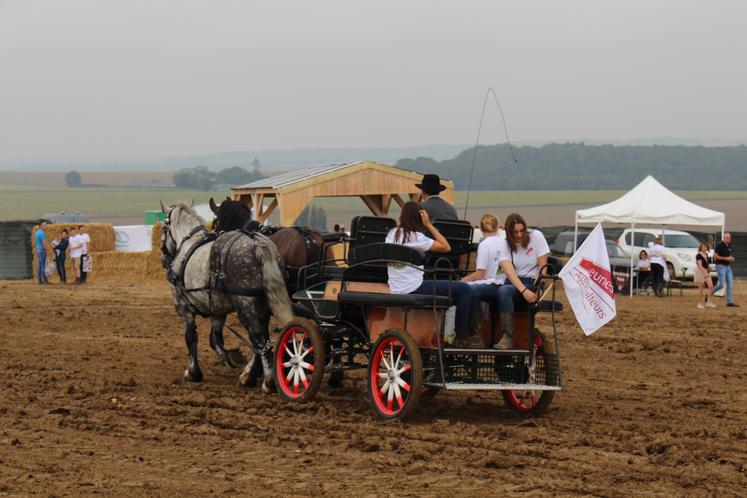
{"x": 92, "y": 401}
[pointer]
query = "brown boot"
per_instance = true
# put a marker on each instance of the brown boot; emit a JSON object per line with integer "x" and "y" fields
{"x": 507, "y": 327}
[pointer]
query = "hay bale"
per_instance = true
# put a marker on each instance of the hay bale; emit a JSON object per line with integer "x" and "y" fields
{"x": 153, "y": 269}
{"x": 101, "y": 234}
{"x": 119, "y": 266}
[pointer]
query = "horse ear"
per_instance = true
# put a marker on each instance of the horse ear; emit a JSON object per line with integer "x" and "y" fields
{"x": 213, "y": 207}
{"x": 163, "y": 208}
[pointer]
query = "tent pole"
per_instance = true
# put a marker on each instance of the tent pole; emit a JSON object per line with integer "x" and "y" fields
{"x": 632, "y": 244}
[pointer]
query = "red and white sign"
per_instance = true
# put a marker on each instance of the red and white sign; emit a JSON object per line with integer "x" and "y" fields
{"x": 587, "y": 280}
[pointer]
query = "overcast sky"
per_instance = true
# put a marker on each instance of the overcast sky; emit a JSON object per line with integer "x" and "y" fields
{"x": 153, "y": 78}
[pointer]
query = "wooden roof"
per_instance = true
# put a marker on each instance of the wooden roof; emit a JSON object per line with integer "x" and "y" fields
{"x": 375, "y": 183}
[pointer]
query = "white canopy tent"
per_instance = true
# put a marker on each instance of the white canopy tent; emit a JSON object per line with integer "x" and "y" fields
{"x": 649, "y": 203}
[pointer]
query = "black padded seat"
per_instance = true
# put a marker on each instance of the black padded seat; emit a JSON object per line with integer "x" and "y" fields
{"x": 403, "y": 300}
{"x": 550, "y": 305}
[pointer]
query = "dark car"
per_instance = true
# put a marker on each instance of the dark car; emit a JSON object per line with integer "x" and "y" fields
{"x": 619, "y": 263}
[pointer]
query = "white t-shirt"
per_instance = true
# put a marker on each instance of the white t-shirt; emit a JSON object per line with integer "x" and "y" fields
{"x": 404, "y": 279}
{"x": 488, "y": 259}
{"x": 85, "y": 239}
{"x": 75, "y": 252}
{"x": 656, "y": 255}
{"x": 525, "y": 258}
{"x": 643, "y": 264}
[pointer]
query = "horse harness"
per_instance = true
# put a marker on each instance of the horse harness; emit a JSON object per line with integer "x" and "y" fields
{"x": 217, "y": 279}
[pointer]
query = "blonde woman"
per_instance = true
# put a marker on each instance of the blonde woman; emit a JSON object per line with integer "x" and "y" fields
{"x": 703, "y": 278}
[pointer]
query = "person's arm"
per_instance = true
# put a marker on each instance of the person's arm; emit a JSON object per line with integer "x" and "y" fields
{"x": 440, "y": 244}
{"x": 478, "y": 274}
{"x": 47, "y": 247}
{"x": 699, "y": 262}
{"x": 512, "y": 277}
{"x": 542, "y": 263}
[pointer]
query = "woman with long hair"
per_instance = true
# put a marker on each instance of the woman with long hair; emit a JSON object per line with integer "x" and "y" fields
{"x": 404, "y": 279}
{"x": 702, "y": 277}
{"x": 523, "y": 255}
{"x": 488, "y": 274}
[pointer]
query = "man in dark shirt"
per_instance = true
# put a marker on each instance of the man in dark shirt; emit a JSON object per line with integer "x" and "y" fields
{"x": 60, "y": 251}
{"x": 436, "y": 207}
{"x": 722, "y": 256}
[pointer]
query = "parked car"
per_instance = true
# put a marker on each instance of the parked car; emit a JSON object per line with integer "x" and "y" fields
{"x": 562, "y": 248}
{"x": 681, "y": 248}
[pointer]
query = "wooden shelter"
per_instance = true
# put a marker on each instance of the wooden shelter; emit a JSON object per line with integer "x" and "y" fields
{"x": 376, "y": 184}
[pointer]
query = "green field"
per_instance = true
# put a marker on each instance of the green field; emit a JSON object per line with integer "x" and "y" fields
{"x": 128, "y": 205}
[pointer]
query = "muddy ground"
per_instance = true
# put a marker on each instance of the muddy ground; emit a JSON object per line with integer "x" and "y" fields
{"x": 92, "y": 402}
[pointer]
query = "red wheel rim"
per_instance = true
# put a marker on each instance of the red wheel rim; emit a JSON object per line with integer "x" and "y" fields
{"x": 294, "y": 361}
{"x": 391, "y": 376}
{"x": 524, "y": 401}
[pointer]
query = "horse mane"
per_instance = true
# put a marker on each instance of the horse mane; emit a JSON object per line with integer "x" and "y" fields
{"x": 182, "y": 208}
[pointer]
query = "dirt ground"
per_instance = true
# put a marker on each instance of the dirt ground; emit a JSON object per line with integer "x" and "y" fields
{"x": 92, "y": 401}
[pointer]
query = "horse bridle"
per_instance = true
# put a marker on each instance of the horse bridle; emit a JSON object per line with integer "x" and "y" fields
{"x": 167, "y": 258}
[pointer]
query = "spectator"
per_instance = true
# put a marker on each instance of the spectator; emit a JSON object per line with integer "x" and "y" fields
{"x": 702, "y": 277}
{"x": 723, "y": 257}
{"x": 435, "y": 206}
{"x": 60, "y": 252}
{"x": 336, "y": 229}
{"x": 85, "y": 241}
{"x": 75, "y": 252}
{"x": 342, "y": 229}
{"x": 42, "y": 246}
{"x": 643, "y": 268}
{"x": 658, "y": 266}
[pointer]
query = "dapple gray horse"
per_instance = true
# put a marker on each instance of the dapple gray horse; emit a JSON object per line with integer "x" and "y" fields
{"x": 214, "y": 276}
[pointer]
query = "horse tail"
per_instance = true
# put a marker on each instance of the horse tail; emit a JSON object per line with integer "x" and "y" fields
{"x": 273, "y": 281}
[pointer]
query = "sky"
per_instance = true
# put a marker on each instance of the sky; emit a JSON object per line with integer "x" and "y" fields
{"x": 152, "y": 78}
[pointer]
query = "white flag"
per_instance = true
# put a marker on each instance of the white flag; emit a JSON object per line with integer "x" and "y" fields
{"x": 587, "y": 280}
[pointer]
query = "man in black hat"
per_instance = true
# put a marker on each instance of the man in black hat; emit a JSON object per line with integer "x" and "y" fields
{"x": 435, "y": 206}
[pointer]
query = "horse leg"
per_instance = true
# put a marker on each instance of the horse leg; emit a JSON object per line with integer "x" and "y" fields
{"x": 260, "y": 339}
{"x": 230, "y": 358}
{"x": 193, "y": 372}
{"x": 248, "y": 376}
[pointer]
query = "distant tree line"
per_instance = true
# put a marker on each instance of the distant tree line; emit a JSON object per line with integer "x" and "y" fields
{"x": 201, "y": 178}
{"x": 575, "y": 166}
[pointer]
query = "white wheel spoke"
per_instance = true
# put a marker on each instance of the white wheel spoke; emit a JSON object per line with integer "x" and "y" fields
{"x": 306, "y": 366}
{"x": 390, "y": 396}
{"x": 302, "y": 375}
{"x": 398, "y": 395}
{"x": 287, "y": 364}
{"x": 295, "y": 376}
{"x": 290, "y": 373}
{"x": 404, "y": 369}
{"x": 306, "y": 352}
{"x": 399, "y": 358}
{"x": 295, "y": 346}
{"x": 386, "y": 364}
{"x": 385, "y": 387}
{"x": 382, "y": 375}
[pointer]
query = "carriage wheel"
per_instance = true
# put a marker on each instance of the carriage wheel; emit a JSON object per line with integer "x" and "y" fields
{"x": 395, "y": 375}
{"x": 299, "y": 361}
{"x": 529, "y": 402}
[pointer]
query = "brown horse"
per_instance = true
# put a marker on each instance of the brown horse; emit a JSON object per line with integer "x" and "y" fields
{"x": 298, "y": 246}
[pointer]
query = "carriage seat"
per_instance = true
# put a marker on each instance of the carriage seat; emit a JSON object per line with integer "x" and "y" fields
{"x": 398, "y": 300}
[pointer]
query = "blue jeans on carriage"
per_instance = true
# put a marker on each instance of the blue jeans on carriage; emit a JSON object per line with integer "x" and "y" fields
{"x": 460, "y": 292}
{"x": 509, "y": 296}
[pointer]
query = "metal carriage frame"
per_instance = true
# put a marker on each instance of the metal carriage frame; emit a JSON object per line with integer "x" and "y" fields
{"x": 405, "y": 353}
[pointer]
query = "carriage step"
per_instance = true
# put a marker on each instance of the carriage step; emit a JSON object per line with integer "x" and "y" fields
{"x": 486, "y": 351}
{"x": 458, "y": 386}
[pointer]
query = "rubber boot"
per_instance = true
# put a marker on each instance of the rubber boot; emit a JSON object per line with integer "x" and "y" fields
{"x": 507, "y": 327}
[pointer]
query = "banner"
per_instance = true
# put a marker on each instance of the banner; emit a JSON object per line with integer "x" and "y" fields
{"x": 587, "y": 280}
{"x": 133, "y": 238}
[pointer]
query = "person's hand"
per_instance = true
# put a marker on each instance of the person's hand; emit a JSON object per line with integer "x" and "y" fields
{"x": 424, "y": 217}
{"x": 529, "y": 296}
{"x": 732, "y": 258}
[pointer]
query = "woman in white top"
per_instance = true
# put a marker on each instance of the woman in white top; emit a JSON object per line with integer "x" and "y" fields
{"x": 488, "y": 274}
{"x": 404, "y": 279}
{"x": 522, "y": 255}
{"x": 658, "y": 264}
{"x": 643, "y": 267}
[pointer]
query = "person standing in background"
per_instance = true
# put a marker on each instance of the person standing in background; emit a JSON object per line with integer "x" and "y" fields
{"x": 60, "y": 252}
{"x": 723, "y": 257}
{"x": 42, "y": 246}
{"x": 702, "y": 277}
{"x": 75, "y": 251}
{"x": 85, "y": 242}
{"x": 658, "y": 265}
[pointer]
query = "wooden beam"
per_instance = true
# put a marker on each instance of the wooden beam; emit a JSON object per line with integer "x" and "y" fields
{"x": 386, "y": 202}
{"x": 265, "y": 213}
{"x": 374, "y": 203}
{"x": 398, "y": 200}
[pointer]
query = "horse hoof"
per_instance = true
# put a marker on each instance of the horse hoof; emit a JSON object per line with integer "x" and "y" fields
{"x": 246, "y": 382}
{"x": 234, "y": 359}
{"x": 268, "y": 387}
{"x": 193, "y": 376}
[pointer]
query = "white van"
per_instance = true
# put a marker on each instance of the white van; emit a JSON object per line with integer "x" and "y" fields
{"x": 681, "y": 248}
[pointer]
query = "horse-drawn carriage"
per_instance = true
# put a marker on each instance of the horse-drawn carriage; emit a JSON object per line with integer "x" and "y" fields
{"x": 399, "y": 338}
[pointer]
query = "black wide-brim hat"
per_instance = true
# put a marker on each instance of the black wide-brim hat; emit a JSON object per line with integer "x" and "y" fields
{"x": 431, "y": 184}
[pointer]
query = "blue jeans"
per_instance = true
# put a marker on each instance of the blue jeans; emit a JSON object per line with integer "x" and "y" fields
{"x": 509, "y": 296}
{"x": 483, "y": 292}
{"x": 60, "y": 262}
{"x": 41, "y": 266}
{"x": 725, "y": 277}
{"x": 460, "y": 292}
